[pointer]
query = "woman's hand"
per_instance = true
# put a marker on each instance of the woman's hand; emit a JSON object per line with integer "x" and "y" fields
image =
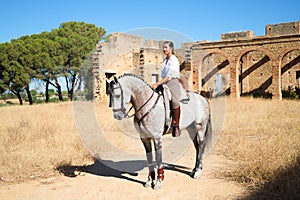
{"x": 160, "y": 82}
{"x": 154, "y": 86}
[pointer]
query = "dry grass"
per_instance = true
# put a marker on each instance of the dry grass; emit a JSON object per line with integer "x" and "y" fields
{"x": 34, "y": 140}
{"x": 128, "y": 138}
{"x": 262, "y": 139}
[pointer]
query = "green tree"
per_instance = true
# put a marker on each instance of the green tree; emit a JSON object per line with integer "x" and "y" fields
{"x": 4, "y": 64}
{"x": 27, "y": 54}
{"x": 47, "y": 57}
{"x": 77, "y": 40}
{"x": 14, "y": 76}
{"x": 20, "y": 77}
{"x": 34, "y": 92}
{"x": 49, "y": 62}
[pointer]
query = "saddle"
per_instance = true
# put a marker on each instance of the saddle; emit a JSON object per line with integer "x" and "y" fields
{"x": 167, "y": 95}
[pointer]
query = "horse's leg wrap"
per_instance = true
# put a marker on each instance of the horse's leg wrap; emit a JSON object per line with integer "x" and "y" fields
{"x": 160, "y": 178}
{"x": 160, "y": 174}
{"x": 151, "y": 178}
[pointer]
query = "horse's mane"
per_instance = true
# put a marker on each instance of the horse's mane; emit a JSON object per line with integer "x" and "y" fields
{"x": 135, "y": 76}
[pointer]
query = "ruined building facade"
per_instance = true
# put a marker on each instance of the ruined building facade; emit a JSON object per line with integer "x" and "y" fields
{"x": 239, "y": 64}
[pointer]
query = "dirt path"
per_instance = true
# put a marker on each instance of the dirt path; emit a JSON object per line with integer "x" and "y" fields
{"x": 109, "y": 184}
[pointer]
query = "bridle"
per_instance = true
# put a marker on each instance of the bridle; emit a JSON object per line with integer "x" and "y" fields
{"x": 111, "y": 89}
{"x": 123, "y": 109}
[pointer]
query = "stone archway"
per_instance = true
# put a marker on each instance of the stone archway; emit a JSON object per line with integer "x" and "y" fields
{"x": 215, "y": 74}
{"x": 290, "y": 73}
{"x": 255, "y": 74}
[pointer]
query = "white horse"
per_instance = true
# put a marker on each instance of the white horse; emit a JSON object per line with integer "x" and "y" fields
{"x": 149, "y": 120}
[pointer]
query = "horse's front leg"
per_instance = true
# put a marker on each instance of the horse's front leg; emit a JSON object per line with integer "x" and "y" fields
{"x": 158, "y": 158}
{"x": 151, "y": 164}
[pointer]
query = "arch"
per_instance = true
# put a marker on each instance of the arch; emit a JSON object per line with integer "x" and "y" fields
{"x": 255, "y": 73}
{"x": 215, "y": 51}
{"x": 262, "y": 49}
{"x": 215, "y": 76}
{"x": 289, "y": 71}
{"x": 285, "y": 51}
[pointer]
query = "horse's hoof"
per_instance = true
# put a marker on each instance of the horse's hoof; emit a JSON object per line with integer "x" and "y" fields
{"x": 196, "y": 174}
{"x": 149, "y": 183}
{"x": 158, "y": 184}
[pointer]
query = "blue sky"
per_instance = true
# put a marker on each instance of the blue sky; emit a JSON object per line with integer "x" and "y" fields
{"x": 197, "y": 19}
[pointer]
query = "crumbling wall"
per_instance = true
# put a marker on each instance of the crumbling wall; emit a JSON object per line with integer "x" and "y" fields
{"x": 237, "y": 35}
{"x": 288, "y": 28}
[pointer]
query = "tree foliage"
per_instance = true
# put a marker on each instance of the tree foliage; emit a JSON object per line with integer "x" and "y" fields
{"x": 47, "y": 57}
{"x": 77, "y": 41}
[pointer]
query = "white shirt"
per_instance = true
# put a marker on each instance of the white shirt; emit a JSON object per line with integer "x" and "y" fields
{"x": 170, "y": 68}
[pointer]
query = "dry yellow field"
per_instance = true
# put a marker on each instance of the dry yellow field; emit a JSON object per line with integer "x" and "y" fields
{"x": 35, "y": 139}
{"x": 260, "y": 138}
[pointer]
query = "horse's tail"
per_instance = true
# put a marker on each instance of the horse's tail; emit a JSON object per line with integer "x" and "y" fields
{"x": 208, "y": 136}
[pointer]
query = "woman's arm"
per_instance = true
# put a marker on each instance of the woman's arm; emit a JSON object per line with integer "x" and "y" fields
{"x": 160, "y": 82}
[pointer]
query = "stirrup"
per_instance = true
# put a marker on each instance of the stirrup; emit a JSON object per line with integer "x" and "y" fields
{"x": 186, "y": 100}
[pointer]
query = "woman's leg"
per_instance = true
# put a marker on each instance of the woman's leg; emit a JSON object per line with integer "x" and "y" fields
{"x": 174, "y": 86}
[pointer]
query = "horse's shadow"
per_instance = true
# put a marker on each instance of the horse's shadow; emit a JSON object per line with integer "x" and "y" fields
{"x": 178, "y": 168}
{"x": 108, "y": 168}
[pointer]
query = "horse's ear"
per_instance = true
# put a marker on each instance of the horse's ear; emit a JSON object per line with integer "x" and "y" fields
{"x": 108, "y": 91}
{"x": 116, "y": 80}
{"x": 108, "y": 87}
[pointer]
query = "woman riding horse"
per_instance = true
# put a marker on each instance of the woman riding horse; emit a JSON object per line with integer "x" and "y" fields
{"x": 170, "y": 74}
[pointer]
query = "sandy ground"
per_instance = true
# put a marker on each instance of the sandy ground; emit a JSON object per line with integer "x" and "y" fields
{"x": 101, "y": 182}
{"x": 98, "y": 181}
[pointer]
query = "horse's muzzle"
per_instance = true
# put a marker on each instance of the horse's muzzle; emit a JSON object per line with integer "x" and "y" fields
{"x": 119, "y": 115}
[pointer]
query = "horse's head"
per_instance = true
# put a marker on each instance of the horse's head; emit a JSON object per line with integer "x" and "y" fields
{"x": 119, "y": 98}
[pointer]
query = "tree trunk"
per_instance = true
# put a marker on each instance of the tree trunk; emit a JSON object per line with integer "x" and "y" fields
{"x": 47, "y": 91}
{"x": 58, "y": 87}
{"x": 68, "y": 89}
{"x": 72, "y": 87}
{"x": 17, "y": 93}
{"x": 29, "y": 95}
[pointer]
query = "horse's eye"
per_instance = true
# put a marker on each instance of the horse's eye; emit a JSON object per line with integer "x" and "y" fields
{"x": 118, "y": 96}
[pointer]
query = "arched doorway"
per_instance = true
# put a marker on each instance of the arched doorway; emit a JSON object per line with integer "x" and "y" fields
{"x": 255, "y": 74}
{"x": 215, "y": 73}
{"x": 290, "y": 74}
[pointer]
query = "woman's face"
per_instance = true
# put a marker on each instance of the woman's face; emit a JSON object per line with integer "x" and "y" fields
{"x": 167, "y": 49}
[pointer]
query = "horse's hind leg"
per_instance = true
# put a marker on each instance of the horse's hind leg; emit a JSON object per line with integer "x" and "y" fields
{"x": 197, "y": 134}
{"x": 151, "y": 164}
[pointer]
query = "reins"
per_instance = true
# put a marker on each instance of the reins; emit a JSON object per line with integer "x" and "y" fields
{"x": 148, "y": 111}
{"x": 126, "y": 114}
{"x": 145, "y": 102}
